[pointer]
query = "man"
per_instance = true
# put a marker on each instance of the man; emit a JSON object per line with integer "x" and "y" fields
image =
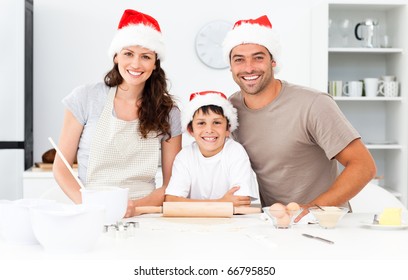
{"x": 294, "y": 135}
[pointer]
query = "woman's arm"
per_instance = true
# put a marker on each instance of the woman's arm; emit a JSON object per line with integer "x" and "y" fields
{"x": 68, "y": 144}
{"x": 168, "y": 152}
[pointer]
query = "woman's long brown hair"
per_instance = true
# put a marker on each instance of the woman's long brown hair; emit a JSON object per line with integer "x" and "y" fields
{"x": 156, "y": 102}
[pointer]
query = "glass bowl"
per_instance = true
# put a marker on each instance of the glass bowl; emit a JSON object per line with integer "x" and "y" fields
{"x": 283, "y": 218}
{"x": 329, "y": 216}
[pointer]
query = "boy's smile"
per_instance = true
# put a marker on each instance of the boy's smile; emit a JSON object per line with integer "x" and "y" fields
{"x": 209, "y": 131}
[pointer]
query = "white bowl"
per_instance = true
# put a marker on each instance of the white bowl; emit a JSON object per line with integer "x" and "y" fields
{"x": 15, "y": 223}
{"x": 113, "y": 199}
{"x": 63, "y": 228}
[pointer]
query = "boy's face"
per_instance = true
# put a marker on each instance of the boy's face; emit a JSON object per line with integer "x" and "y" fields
{"x": 209, "y": 131}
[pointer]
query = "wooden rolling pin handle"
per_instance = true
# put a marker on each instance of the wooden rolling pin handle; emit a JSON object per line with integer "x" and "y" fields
{"x": 247, "y": 210}
{"x": 148, "y": 209}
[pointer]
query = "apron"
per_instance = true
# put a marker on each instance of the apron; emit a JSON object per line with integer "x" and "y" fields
{"x": 120, "y": 156}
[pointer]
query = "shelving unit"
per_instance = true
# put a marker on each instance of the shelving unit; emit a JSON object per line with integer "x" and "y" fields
{"x": 382, "y": 122}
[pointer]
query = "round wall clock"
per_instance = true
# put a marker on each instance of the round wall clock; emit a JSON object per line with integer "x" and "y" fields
{"x": 208, "y": 43}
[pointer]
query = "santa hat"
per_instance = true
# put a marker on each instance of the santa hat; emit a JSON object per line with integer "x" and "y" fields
{"x": 253, "y": 31}
{"x": 138, "y": 29}
{"x": 205, "y": 98}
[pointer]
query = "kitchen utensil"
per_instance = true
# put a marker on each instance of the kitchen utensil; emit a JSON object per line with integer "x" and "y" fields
{"x": 283, "y": 218}
{"x": 375, "y": 220}
{"x": 113, "y": 199}
{"x": 15, "y": 223}
{"x": 353, "y": 88}
{"x": 390, "y": 88}
{"x": 371, "y": 225}
{"x": 336, "y": 88}
{"x": 388, "y": 78}
{"x": 198, "y": 209}
{"x": 372, "y": 87}
{"x": 66, "y": 162}
{"x": 330, "y": 216}
{"x": 370, "y": 31}
{"x": 321, "y": 208}
{"x": 318, "y": 238}
{"x": 62, "y": 228}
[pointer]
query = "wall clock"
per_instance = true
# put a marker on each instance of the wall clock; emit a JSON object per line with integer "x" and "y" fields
{"x": 208, "y": 43}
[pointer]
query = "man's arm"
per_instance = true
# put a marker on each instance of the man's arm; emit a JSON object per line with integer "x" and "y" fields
{"x": 359, "y": 169}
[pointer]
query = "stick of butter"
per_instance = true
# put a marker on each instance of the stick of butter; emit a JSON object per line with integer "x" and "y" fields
{"x": 390, "y": 217}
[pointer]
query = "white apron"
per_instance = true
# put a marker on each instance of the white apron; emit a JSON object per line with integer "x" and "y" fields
{"x": 120, "y": 156}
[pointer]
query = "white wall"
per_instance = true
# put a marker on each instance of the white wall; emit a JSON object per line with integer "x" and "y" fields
{"x": 71, "y": 39}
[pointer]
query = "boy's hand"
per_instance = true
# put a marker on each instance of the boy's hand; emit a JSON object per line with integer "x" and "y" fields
{"x": 236, "y": 199}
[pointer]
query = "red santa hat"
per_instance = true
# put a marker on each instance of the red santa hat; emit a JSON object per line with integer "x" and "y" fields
{"x": 204, "y": 98}
{"x": 253, "y": 31}
{"x": 138, "y": 29}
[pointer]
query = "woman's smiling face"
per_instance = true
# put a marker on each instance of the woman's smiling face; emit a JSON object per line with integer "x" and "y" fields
{"x": 135, "y": 64}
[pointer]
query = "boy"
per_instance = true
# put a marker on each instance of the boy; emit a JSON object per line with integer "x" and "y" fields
{"x": 214, "y": 167}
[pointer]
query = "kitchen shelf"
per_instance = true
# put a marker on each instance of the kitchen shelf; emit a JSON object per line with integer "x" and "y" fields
{"x": 366, "y": 50}
{"x": 377, "y": 119}
{"x": 363, "y": 98}
{"x": 384, "y": 147}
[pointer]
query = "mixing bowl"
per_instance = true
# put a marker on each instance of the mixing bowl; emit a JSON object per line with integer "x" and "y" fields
{"x": 15, "y": 223}
{"x": 328, "y": 216}
{"x": 113, "y": 199}
{"x": 63, "y": 228}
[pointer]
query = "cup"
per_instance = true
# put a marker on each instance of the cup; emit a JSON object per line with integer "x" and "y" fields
{"x": 388, "y": 78}
{"x": 390, "y": 88}
{"x": 335, "y": 88}
{"x": 353, "y": 88}
{"x": 385, "y": 42}
{"x": 372, "y": 87}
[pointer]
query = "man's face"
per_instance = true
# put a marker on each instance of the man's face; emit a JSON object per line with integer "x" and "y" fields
{"x": 252, "y": 67}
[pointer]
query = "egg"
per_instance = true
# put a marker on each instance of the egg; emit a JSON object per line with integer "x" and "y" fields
{"x": 283, "y": 221}
{"x": 277, "y": 210}
{"x": 293, "y": 206}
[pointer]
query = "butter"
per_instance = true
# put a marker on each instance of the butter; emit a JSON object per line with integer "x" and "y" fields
{"x": 390, "y": 217}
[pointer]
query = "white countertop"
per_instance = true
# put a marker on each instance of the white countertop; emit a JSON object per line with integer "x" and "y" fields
{"x": 36, "y": 172}
{"x": 246, "y": 237}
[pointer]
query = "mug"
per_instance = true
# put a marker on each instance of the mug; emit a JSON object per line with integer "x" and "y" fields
{"x": 335, "y": 88}
{"x": 353, "y": 88}
{"x": 371, "y": 87}
{"x": 390, "y": 88}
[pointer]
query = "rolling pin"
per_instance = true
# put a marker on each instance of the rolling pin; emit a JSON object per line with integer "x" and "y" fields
{"x": 198, "y": 209}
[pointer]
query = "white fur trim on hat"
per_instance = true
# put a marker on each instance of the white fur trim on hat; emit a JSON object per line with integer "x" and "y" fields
{"x": 138, "y": 35}
{"x": 247, "y": 33}
{"x": 209, "y": 99}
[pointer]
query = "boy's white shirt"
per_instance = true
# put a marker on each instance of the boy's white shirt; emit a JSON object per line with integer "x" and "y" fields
{"x": 197, "y": 177}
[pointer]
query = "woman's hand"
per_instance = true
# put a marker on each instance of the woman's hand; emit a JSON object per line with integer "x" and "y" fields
{"x": 131, "y": 211}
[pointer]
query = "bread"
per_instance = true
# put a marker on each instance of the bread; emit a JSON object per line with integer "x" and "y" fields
{"x": 49, "y": 156}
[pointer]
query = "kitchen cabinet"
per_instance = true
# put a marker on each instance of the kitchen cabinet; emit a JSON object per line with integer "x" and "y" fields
{"x": 338, "y": 55}
{"x": 37, "y": 182}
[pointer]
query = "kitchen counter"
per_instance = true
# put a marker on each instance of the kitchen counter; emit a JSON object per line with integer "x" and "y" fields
{"x": 244, "y": 237}
{"x": 38, "y": 181}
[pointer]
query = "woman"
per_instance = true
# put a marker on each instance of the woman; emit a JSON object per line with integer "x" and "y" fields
{"x": 115, "y": 129}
